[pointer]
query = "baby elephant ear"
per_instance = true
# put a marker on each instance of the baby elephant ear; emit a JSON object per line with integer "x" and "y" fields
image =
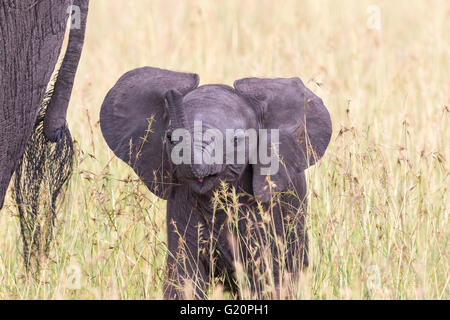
{"x": 301, "y": 121}
{"x": 133, "y": 122}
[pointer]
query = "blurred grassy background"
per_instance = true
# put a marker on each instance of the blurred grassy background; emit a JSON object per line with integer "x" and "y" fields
{"x": 378, "y": 201}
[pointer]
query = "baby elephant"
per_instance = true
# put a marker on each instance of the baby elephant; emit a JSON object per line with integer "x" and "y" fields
{"x": 230, "y": 162}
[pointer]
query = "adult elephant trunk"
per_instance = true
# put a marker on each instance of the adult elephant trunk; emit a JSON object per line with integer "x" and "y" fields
{"x": 33, "y": 33}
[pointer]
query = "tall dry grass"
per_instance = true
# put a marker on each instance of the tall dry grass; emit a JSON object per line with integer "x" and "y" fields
{"x": 378, "y": 201}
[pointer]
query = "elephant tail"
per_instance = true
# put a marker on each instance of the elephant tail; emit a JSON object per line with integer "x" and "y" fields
{"x": 47, "y": 162}
{"x": 42, "y": 173}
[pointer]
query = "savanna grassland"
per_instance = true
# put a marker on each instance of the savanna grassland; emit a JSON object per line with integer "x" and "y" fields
{"x": 378, "y": 200}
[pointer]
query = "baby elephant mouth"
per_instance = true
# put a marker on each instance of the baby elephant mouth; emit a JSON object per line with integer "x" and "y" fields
{"x": 204, "y": 184}
{"x": 206, "y": 178}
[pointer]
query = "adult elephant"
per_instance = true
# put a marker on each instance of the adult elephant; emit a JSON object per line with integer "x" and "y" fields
{"x": 34, "y": 139}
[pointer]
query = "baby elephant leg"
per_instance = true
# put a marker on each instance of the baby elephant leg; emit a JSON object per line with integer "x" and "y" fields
{"x": 186, "y": 272}
{"x": 289, "y": 216}
{"x": 294, "y": 207}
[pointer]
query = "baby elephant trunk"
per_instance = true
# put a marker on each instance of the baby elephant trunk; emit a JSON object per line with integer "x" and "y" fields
{"x": 201, "y": 171}
{"x": 204, "y": 164}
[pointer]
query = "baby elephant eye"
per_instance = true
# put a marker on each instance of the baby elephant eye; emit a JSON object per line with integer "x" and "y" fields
{"x": 169, "y": 136}
{"x": 237, "y": 140}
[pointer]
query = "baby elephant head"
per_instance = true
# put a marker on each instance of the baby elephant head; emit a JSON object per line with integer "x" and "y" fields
{"x": 172, "y": 132}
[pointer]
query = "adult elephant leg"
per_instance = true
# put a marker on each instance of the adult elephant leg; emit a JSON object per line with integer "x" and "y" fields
{"x": 32, "y": 36}
{"x": 34, "y": 31}
{"x": 47, "y": 162}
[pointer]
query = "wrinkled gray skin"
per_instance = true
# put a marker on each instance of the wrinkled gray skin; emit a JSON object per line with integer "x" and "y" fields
{"x": 170, "y": 100}
{"x": 32, "y": 33}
